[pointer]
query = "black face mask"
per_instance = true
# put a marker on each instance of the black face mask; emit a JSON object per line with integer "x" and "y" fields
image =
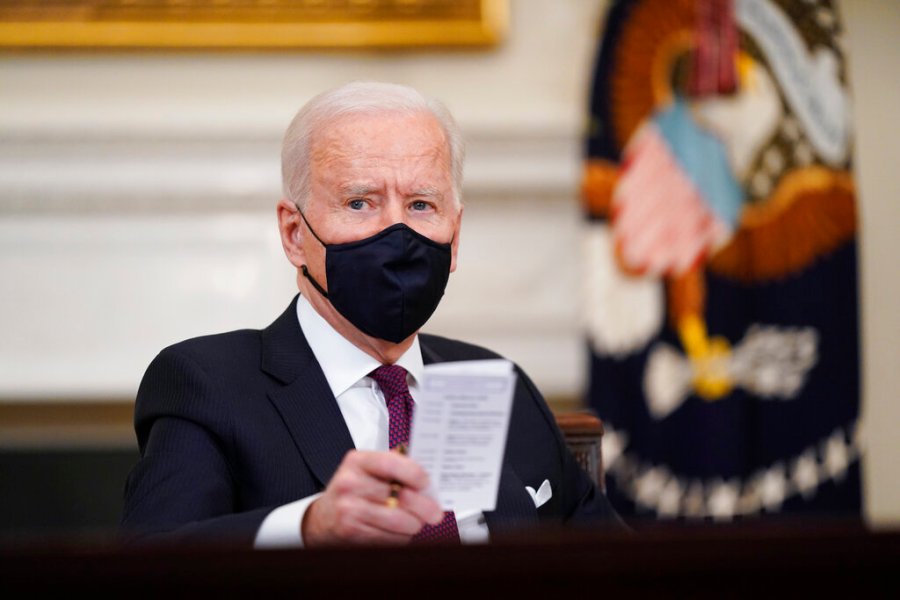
{"x": 386, "y": 285}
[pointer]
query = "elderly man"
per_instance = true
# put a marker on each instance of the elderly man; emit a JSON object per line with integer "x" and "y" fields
{"x": 280, "y": 437}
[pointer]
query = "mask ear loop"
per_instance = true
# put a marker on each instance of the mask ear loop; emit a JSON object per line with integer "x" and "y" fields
{"x": 303, "y": 268}
{"x": 314, "y": 283}
{"x": 308, "y": 226}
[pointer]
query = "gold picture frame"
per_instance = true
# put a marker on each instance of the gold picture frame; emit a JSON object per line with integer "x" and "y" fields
{"x": 250, "y": 24}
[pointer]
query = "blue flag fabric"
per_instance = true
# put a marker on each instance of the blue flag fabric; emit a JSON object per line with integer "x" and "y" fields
{"x": 720, "y": 252}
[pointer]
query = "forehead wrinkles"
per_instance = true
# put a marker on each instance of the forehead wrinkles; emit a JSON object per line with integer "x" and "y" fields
{"x": 356, "y": 147}
{"x": 379, "y": 133}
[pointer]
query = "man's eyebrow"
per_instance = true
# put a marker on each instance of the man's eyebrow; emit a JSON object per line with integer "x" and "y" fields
{"x": 358, "y": 189}
{"x": 427, "y": 191}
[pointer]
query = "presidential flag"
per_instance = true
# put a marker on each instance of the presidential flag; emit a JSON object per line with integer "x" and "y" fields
{"x": 720, "y": 253}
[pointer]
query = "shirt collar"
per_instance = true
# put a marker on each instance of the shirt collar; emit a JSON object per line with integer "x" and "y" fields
{"x": 342, "y": 362}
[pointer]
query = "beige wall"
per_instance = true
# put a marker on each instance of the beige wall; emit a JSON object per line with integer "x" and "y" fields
{"x": 144, "y": 173}
{"x": 874, "y": 51}
{"x": 136, "y": 195}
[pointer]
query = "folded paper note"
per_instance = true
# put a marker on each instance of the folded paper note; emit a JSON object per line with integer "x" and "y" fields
{"x": 459, "y": 430}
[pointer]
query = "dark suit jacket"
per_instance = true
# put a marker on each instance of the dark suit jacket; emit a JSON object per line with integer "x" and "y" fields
{"x": 231, "y": 426}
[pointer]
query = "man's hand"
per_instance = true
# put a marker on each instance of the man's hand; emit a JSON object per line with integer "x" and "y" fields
{"x": 353, "y": 509}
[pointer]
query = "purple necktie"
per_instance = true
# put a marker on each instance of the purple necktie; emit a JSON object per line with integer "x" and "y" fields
{"x": 392, "y": 381}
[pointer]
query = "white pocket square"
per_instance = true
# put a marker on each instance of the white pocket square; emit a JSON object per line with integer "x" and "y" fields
{"x": 540, "y": 496}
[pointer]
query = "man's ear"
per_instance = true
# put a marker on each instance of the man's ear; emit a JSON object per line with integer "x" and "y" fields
{"x": 454, "y": 245}
{"x": 291, "y": 231}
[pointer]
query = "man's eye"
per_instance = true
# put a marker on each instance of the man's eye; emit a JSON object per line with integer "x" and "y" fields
{"x": 420, "y": 205}
{"x": 357, "y": 204}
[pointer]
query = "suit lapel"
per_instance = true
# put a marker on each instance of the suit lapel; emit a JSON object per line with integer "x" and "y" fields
{"x": 303, "y": 398}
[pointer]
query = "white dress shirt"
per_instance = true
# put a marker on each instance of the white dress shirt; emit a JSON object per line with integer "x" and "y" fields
{"x": 362, "y": 404}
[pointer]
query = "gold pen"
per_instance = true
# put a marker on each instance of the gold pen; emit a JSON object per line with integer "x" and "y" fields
{"x": 393, "y": 499}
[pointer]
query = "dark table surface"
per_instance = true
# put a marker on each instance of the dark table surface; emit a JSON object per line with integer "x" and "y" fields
{"x": 758, "y": 559}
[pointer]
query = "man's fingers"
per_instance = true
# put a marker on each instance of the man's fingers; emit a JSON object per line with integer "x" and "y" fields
{"x": 367, "y": 533}
{"x": 384, "y": 471}
{"x": 357, "y": 518}
{"x": 390, "y": 467}
{"x": 423, "y": 507}
{"x": 357, "y": 482}
{"x": 392, "y": 520}
{"x": 354, "y": 506}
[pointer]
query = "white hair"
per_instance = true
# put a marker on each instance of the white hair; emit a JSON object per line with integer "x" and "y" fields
{"x": 359, "y": 97}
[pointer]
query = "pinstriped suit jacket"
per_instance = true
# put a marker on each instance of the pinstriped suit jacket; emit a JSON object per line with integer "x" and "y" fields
{"x": 231, "y": 426}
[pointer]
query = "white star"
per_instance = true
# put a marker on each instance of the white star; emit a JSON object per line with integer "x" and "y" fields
{"x": 760, "y": 183}
{"x": 750, "y": 501}
{"x": 791, "y": 129}
{"x": 803, "y": 154}
{"x": 649, "y": 486}
{"x": 773, "y": 487}
{"x": 723, "y": 500}
{"x": 693, "y": 501}
{"x": 611, "y": 445}
{"x": 773, "y": 160}
{"x": 835, "y": 455}
{"x": 670, "y": 499}
{"x": 840, "y": 42}
{"x": 825, "y": 18}
{"x": 805, "y": 474}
